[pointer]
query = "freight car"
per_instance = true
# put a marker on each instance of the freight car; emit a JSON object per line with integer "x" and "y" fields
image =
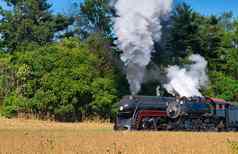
{"x": 173, "y": 113}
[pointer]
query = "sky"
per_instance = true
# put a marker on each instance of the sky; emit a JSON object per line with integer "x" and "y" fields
{"x": 205, "y": 7}
{"x": 214, "y": 7}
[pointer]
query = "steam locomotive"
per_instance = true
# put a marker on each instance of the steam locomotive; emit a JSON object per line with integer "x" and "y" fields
{"x": 173, "y": 113}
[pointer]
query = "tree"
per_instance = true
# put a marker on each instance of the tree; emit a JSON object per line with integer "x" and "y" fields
{"x": 191, "y": 32}
{"x": 184, "y": 31}
{"x": 232, "y": 63}
{"x": 60, "y": 81}
{"x": 223, "y": 86}
{"x": 230, "y": 45}
{"x": 212, "y": 35}
{"x": 226, "y": 21}
{"x": 6, "y": 83}
{"x": 29, "y": 21}
{"x": 93, "y": 16}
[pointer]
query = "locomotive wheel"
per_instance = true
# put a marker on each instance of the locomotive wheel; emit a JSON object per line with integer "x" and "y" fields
{"x": 148, "y": 124}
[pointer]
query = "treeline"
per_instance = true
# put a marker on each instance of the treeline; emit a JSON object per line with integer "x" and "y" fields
{"x": 67, "y": 67}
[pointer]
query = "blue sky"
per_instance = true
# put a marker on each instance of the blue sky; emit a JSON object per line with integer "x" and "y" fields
{"x": 208, "y": 7}
{"x": 205, "y": 7}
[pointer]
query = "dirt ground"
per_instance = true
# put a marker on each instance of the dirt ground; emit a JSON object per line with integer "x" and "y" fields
{"x": 19, "y": 136}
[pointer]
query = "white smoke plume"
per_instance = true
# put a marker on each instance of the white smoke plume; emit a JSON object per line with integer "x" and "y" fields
{"x": 188, "y": 81}
{"x": 137, "y": 28}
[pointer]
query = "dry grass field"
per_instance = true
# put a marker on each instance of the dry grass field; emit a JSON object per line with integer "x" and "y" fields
{"x": 19, "y": 136}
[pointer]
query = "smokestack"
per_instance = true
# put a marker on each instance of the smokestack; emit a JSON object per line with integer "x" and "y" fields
{"x": 137, "y": 28}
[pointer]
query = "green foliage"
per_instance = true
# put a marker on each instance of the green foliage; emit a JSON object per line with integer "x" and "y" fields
{"x": 6, "y": 83}
{"x": 13, "y": 104}
{"x": 224, "y": 86}
{"x": 61, "y": 80}
{"x": 213, "y": 37}
{"x": 29, "y": 21}
{"x": 70, "y": 80}
{"x": 232, "y": 63}
{"x": 93, "y": 17}
{"x": 104, "y": 93}
{"x": 184, "y": 32}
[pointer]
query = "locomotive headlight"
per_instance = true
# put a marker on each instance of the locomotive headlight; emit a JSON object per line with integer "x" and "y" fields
{"x": 123, "y": 107}
{"x": 126, "y": 105}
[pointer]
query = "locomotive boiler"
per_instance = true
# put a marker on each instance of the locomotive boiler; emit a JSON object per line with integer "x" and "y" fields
{"x": 173, "y": 113}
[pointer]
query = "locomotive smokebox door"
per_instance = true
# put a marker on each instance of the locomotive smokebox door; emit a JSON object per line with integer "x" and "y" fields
{"x": 173, "y": 110}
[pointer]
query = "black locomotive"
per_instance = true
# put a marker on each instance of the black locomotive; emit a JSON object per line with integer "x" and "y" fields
{"x": 172, "y": 113}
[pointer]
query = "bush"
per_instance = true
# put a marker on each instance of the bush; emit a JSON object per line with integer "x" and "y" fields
{"x": 14, "y": 104}
{"x": 104, "y": 96}
{"x": 224, "y": 86}
{"x": 61, "y": 81}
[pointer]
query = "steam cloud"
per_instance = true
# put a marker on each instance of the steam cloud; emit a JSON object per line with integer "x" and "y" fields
{"x": 137, "y": 28}
{"x": 188, "y": 82}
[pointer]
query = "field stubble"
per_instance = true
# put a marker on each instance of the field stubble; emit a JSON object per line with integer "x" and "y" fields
{"x": 18, "y": 136}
